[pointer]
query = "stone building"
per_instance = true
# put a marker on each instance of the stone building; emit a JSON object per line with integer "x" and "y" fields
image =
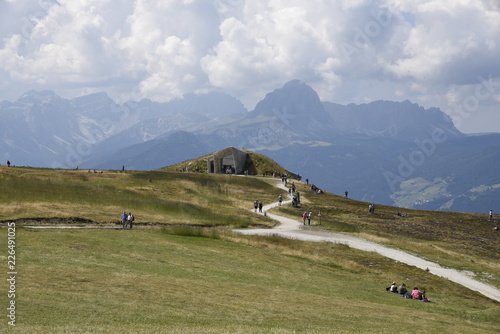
{"x": 227, "y": 161}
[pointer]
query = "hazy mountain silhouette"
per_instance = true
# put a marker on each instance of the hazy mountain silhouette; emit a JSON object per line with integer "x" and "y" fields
{"x": 384, "y": 152}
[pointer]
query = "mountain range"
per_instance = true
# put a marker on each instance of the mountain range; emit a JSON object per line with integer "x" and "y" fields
{"x": 386, "y": 152}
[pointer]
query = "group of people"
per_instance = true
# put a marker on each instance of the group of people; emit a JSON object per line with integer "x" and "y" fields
{"x": 127, "y": 219}
{"x": 403, "y": 291}
{"x": 307, "y": 216}
{"x": 316, "y": 189}
{"x": 296, "y": 199}
{"x": 257, "y": 205}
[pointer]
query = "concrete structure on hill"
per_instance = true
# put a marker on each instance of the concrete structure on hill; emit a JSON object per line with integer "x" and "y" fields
{"x": 227, "y": 161}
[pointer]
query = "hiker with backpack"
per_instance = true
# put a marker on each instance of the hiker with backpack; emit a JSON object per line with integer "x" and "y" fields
{"x": 130, "y": 219}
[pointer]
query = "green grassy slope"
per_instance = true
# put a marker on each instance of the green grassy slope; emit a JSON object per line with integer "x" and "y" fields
{"x": 154, "y": 197}
{"x": 164, "y": 277}
{"x": 256, "y": 164}
{"x": 151, "y": 281}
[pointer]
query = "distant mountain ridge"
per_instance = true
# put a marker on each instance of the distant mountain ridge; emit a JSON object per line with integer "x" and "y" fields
{"x": 402, "y": 120}
{"x": 386, "y": 152}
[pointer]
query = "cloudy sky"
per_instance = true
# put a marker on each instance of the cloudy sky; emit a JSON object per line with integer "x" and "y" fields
{"x": 442, "y": 53}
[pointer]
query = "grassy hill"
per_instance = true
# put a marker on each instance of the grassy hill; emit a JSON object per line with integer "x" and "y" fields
{"x": 182, "y": 271}
{"x": 256, "y": 164}
{"x": 154, "y": 197}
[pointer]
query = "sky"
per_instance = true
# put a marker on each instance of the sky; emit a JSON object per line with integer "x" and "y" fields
{"x": 437, "y": 53}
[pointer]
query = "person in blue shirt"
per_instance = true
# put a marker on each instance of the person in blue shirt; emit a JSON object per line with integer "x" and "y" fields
{"x": 124, "y": 219}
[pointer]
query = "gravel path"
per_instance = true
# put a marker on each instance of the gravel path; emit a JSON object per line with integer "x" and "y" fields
{"x": 291, "y": 228}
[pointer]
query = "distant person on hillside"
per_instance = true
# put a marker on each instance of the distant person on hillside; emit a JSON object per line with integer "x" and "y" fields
{"x": 255, "y": 205}
{"x": 309, "y": 217}
{"x": 130, "y": 219}
{"x": 280, "y": 199}
{"x": 260, "y": 207}
{"x": 124, "y": 219}
{"x": 307, "y": 181}
{"x": 491, "y": 214}
{"x": 346, "y": 194}
{"x": 8, "y": 163}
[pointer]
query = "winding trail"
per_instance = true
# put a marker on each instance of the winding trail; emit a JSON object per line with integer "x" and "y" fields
{"x": 291, "y": 228}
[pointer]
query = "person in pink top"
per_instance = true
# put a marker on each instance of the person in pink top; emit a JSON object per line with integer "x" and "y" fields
{"x": 304, "y": 217}
{"x": 416, "y": 294}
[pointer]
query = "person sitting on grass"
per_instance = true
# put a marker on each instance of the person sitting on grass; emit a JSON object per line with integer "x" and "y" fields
{"x": 416, "y": 294}
{"x": 420, "y": 295}
{"x": 402, "y": 289}
{"x": 393, "y": 287}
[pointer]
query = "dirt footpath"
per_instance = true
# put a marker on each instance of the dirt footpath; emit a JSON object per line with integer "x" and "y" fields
{"x": 290, "y": 228}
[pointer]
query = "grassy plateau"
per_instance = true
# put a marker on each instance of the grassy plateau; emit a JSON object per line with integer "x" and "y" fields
{"x": 181, "y": 269}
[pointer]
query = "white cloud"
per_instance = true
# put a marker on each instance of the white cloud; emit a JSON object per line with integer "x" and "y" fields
{"x": 430, "y": 51}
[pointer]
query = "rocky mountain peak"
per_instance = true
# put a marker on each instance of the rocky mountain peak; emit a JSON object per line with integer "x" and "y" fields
{"x": 39, "y": 97}
{"x": 297, "y": 106}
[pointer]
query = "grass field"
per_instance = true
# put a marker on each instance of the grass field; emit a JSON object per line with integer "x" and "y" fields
{"x": 157, "y": 281}
{"x": 182, "y": 271}
{"x": 154, "y": 197}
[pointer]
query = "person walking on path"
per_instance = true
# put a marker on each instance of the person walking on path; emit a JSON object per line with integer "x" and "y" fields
{"x": 255, "y": 205}
{"x": 309, "y": 216}
{"x": 304, "y": 217}
{"x": 130, "y": 219}
{"x": 280, "y": 199}
{"x": 260, "y": 207}
{"x": 124, "y": 219}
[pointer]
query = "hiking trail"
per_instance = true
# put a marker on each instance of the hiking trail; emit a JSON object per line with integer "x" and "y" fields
{"x": 292, "y": 229}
